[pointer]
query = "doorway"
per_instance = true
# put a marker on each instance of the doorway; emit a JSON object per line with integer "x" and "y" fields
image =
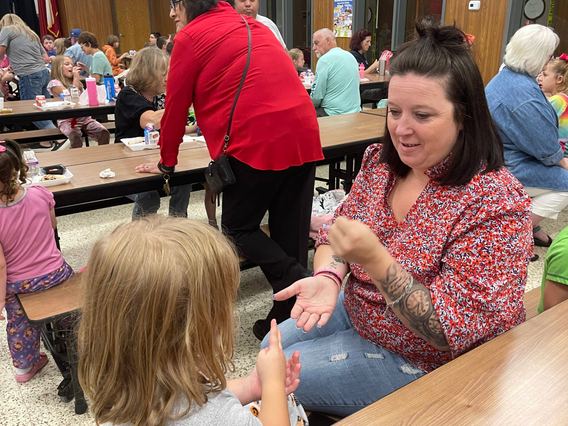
{"x": 133, "y": 23}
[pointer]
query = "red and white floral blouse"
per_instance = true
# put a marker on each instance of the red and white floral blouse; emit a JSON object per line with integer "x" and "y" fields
{"x": 469, "y": 245}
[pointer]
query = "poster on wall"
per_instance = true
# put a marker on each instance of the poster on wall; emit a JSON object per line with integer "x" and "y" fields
{"x": 343, "y": 18}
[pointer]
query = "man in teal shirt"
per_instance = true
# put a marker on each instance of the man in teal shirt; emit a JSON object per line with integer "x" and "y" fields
{"x": 336, "y": 87}
{"x": 554, "y": 288}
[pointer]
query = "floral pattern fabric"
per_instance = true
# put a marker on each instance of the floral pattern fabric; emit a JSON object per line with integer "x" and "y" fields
{"x": 469, "y": 245}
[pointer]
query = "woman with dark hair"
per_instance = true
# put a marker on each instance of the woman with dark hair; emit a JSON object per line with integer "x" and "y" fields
{"x": 435, "y": 233}
{"x": 359, "y": 45}
{"x": 274, "y": 139}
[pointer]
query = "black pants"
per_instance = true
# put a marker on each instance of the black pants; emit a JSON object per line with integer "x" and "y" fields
{"x": 287, "y": 197}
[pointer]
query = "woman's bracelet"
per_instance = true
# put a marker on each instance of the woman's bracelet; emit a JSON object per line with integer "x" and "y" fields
{"x": 330, "y": 273}
{"x": 405, "y": 292}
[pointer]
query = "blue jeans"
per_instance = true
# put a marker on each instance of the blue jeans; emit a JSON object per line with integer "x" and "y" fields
{"x": 147, "y": 203}
{"x": 342, "y": 372}
{"x": 32, "y": 85}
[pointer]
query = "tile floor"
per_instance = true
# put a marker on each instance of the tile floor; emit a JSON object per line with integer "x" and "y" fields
{"x": 37, "y": 403}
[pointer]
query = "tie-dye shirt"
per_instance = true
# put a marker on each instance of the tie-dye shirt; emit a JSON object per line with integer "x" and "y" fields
{"x": 560, "y": 104}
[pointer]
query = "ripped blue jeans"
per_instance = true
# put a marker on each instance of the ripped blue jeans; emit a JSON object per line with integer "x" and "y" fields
{"x": 342, "y": 372}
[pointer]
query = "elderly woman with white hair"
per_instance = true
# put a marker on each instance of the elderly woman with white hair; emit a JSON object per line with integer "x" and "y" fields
{"x": 528, "y": 125}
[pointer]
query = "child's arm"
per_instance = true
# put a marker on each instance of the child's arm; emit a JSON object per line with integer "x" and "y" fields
{"x": 53, "y": 218}
{"x": 77, "y": 78}
{"x": 248, "y": 389}
{"x": 271, "y": 367}
{"x": 3, "y": 278}
{"x": 57, "y": 90}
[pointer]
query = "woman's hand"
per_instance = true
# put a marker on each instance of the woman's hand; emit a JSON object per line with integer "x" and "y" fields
{"x": 148, "y": 168}
{"x": 271, "y": 362}
{"x": 315, "y": 300}
{"x": 355, "y": 242}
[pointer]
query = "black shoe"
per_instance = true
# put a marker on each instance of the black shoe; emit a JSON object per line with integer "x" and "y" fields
{"x": 534, "y": 258}
{"x": 261, "y": 329}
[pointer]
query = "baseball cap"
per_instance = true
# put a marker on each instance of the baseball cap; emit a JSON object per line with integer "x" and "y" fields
{"x": 75, "y": 32}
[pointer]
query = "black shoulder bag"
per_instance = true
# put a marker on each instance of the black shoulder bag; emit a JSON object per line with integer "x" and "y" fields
{"x": 219, "y": 174}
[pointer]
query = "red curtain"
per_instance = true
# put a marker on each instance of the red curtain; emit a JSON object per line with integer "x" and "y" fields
{"x": 49, "y": 22}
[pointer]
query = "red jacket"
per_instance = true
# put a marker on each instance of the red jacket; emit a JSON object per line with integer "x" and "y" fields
{"x": 274, "y": 125}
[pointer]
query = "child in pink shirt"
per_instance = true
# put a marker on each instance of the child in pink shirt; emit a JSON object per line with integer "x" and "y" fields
{"x": 29, "y": 258}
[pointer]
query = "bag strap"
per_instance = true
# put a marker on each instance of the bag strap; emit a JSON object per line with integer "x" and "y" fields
{"x": 227, "y": 135}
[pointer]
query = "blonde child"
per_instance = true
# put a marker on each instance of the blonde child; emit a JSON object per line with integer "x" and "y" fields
{"x": 156, "y": 332}
{"x": 553, "y": 80}
{"x": 29, "y": 258}
{"x": 64, "y": 76}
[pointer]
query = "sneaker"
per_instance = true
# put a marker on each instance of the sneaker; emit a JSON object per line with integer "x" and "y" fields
{"x": 26, "y": 377}
{"x": 60, "y": 146}
{"x": 38, "y": 147}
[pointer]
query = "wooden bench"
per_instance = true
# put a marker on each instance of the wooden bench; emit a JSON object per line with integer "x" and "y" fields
{"x": 44, "y": 308}
{"x": 40, "y": 135}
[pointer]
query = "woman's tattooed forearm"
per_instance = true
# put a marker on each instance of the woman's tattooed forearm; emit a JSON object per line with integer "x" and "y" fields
{"x": 337, "y": 261}
{"x": 414, "y": 304}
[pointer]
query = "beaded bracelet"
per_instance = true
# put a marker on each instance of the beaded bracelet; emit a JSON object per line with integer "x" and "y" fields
{"x": 330, "y": 274}
{"x": 405, "y": 292}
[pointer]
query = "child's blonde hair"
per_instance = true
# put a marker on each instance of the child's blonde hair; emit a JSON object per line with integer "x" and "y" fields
{"x": 560, "y": 67}
{"x": 157, "y": 323}
{"x": 13, "y": 169}
{"x": 57, "y": 71}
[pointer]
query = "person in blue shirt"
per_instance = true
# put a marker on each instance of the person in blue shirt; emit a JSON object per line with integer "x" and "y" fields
{"x": 336, "y": 87}
{"x": 528, "y": 125}
{"x": 76, "y": 53}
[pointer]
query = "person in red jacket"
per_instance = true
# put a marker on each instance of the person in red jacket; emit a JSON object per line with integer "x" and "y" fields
{"x": 274, "y": 141}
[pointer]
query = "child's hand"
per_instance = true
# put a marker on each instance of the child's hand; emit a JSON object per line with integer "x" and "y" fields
{"x": 271, "y": 362}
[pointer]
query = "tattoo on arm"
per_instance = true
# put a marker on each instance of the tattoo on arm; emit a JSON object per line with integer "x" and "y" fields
{"x": 337, "y": 261}
{"x": 414, "y": 305}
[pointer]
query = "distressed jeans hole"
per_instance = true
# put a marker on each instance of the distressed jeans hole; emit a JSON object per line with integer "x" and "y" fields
{"x": 370, "y": 355}
{"x": 338, "y": 357}
{"x": 409, "y": 369}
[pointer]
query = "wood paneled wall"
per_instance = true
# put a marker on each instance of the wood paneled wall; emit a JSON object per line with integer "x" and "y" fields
{"x": 160, "y": 17}
{"x": 133, "y": 18}
{"x": 561, "y": 25}
{"x": 487, "y": 25}
{"x": 322, "y": 12}
{"x": 94, "y": 16}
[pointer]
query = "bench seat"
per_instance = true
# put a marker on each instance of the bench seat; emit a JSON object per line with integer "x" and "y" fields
{"x": 40, "y": 135}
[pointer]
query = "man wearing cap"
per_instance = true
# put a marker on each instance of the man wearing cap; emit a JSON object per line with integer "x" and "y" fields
{"x": 76, "y": 53}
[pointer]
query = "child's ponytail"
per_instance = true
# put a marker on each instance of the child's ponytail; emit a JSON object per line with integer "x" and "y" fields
{"x": 13, "y": 169}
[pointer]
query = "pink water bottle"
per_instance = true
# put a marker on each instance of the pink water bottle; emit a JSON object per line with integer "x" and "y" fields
{"x": 92, "y": 91}
{"x": 361, "y": 71}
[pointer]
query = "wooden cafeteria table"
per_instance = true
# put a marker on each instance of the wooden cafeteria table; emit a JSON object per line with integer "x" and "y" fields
{"x": 340, "y": 135}
{"x": 374, "y": 81}
{"x": 518, "y": 378}
{"x": 25, "y": 111}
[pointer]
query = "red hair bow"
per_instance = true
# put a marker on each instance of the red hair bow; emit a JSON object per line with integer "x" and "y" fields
{"x": 564, "y": 57}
